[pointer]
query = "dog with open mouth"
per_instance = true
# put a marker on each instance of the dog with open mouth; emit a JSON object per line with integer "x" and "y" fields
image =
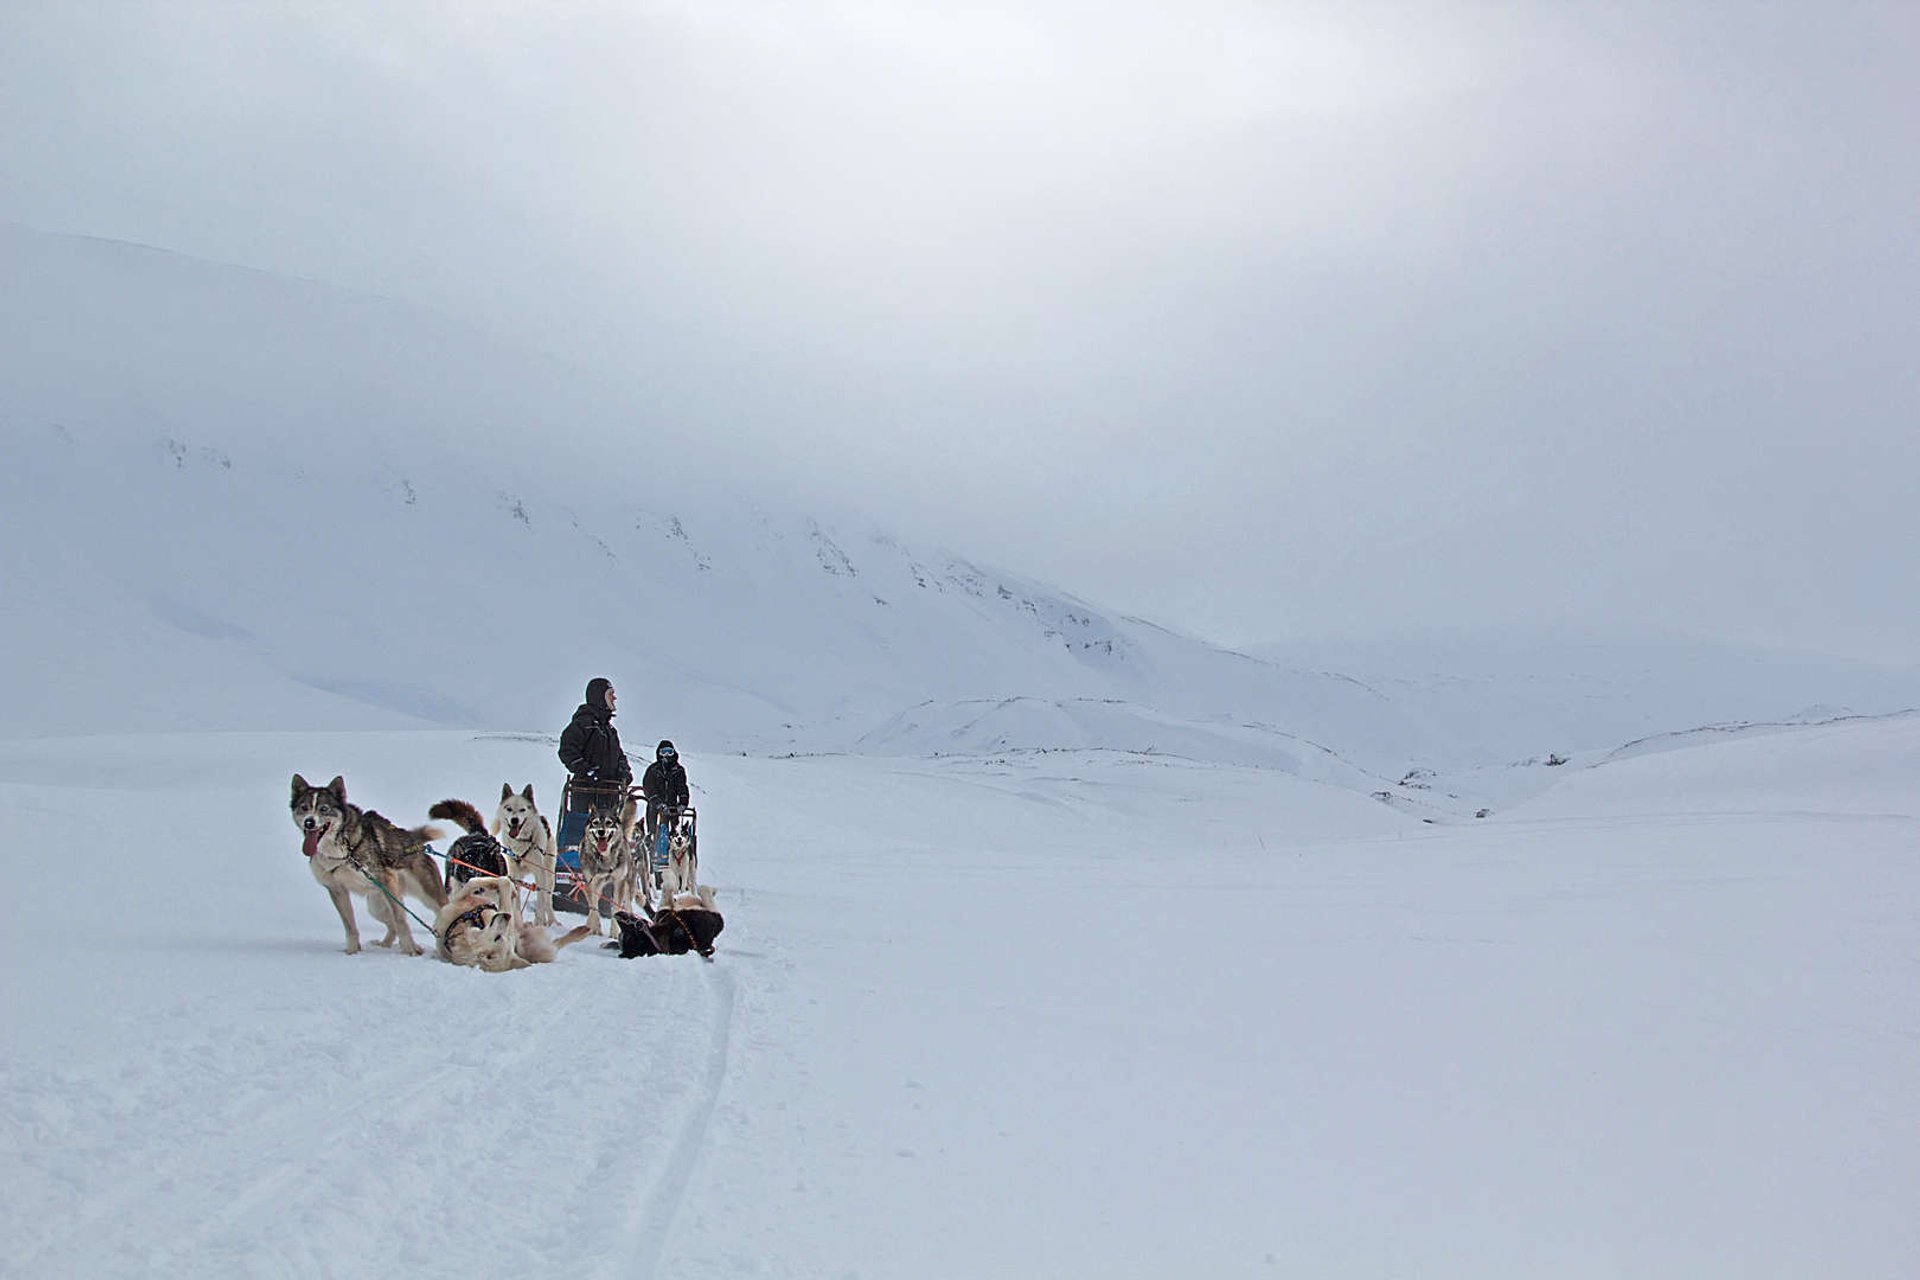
{"x": 679, "y": 872}
{"x": 606, "y": 864}
{"x": 528, "y": 839}
{"x": 351, "y": 850}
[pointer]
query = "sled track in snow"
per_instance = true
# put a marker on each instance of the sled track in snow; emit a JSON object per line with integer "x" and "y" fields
{"x": 441, "y": 1082}
{"x": 649, "y": 1219}
{"x": 284, "y": 1128}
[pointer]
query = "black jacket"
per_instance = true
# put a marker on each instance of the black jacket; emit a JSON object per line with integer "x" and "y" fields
{"x": 590, "y": 747}
{"x": 665, "y": 783}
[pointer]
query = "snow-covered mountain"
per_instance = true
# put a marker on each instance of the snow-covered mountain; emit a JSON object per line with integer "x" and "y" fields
{"x": 231, "y": 499}
{"x": 231, "y": 495}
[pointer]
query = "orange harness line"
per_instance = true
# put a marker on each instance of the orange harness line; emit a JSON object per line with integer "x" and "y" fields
{"x": 518, "y": 884}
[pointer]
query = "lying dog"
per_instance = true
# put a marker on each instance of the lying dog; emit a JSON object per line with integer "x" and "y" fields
{"x": 480, "y": 926}
{"x": 528, "y": 840}
{"x": 353, "y": 850}
{"x": 687, "y": 923}
{"x": 475, "y": 853}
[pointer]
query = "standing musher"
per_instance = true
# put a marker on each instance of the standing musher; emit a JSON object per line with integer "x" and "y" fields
{"x": 597, "y": 767}
{"x": 665, "y": 787}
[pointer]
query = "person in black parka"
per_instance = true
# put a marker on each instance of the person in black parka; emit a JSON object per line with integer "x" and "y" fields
{"x": 665, "y": 783}
{"x": 590, "y": 745}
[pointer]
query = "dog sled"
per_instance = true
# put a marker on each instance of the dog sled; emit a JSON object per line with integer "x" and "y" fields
{"x": 668, "y": 853}
{"x": 676, "y": 911}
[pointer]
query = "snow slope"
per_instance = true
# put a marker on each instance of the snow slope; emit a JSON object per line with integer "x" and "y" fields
{"x": 231, "y": 496}
{"x": 236, "y": 501}
{"x": 1515, "y": 694}
{"x": 1065, "y": 1014}
{"x": 1012, "y": 725}
{"x": 1852, "y": 765}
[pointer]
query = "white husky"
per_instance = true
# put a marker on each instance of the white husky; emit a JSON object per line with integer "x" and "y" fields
{"x": 529, "y": 845}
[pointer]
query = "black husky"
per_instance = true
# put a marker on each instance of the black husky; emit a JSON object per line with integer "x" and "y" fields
{"x": 689, "y": 924}
{"x": 475, "y": 853}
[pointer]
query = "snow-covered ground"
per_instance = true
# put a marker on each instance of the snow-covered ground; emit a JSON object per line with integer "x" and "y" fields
{"x": 1080, "y": 1013}
{"x": 1059, "y": 943}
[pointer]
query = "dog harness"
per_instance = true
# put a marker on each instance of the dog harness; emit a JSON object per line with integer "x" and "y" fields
{"x": 481, "y": 849}
{"x": 477, "y": 917}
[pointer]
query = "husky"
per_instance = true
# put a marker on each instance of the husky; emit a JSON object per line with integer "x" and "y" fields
{"x": 684, "y": 922}
{"x": 681, "y": 872}
{"x": 475, "y": 853}
{"x": 528, "y": 840}
{"x": 606, "y": 864}
{"x": 353, "y": 850}
{"x": 480, "y": 926}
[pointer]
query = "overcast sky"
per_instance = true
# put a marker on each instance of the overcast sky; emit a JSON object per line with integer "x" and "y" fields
{"x": 1260, "y": 319}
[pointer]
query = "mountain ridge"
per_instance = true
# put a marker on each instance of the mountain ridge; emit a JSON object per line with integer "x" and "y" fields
{"x": 221, "y": 484}
{"x": 231, "y": 490}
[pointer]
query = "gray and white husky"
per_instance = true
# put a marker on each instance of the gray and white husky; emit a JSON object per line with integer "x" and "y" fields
{"x": 350, "y": 849}
{"x": 606, "y": 864}
{"x": 528, "y": 840}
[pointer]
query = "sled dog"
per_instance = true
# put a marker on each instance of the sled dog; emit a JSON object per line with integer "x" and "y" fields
{"x": 353, "y": 850}
{"x": 606, "y": 864}
{"x": 528, "y": 841}
{"x": 475, "y": 853}
{"x": 680, "y": 874}
{"x": 685, "y": 922}
{"x": 480, "y": 926}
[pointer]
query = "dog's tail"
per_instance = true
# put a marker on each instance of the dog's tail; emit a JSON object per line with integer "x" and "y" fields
{"x": 461, "y": 812}
{"x": 571, "y": 936}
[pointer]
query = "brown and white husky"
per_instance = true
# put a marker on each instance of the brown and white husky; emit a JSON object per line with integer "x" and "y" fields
{"x": 353, "y": 850}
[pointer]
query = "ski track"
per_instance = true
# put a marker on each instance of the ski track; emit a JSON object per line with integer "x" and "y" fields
{"x": 266, "y": 1153}
{"x": 642, "y": 1234}
{"x": 472, "y": 1094}
{"x": 413, "y": 1139}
